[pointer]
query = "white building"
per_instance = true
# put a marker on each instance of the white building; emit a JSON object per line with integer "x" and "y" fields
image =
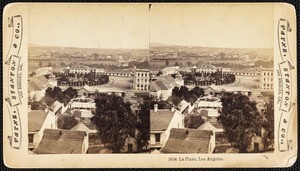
{"x": 38, "y": 121}
{"x": 37, "y": 86}
{"x": 82, "y": 103}
{"x": 161, "y": 122}
{"x": 162, "y": 86}
{"x": 79, "y": 69}
{"x": 266, "y": 78}
{"x": 141, "y": 79}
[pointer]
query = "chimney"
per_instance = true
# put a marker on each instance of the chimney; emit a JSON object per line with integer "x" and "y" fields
{"x": 29, "y": 108}
{"x": 155, "y": 107}
{"x": 172, "y": 108}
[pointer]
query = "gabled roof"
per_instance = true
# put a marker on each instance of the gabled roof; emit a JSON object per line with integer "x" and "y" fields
{"x": 80, "y": 127}
{"x": 37, "y": 83}
{"x": 160, "y": 120}
{"x": 187, "y": 141}
{"x": 56, "y": 106}
{"x": 164, "y": 82}
{"x": 36, "y": 119}
{"x": 207, "y": 126}
{"x": 228, "y": 88}
{"x": 183, "y": 105}
{"x": 57, "y": 141}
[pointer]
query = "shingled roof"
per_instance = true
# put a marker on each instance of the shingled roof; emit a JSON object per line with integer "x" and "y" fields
{"x": 160, "y": 120}
{"x": 188, "y": 141}
{"x": 38, "y": 83}
{"x": 36, "y": 119}
{"x": 57, "y": 141}
{"x": 164, "y": 82}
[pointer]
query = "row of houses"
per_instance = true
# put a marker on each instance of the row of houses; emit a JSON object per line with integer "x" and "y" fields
{"x": 168, "y": 134}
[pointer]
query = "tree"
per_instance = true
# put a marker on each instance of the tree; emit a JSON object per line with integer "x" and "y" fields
{"x": 49, "y": 64}
{"x": 268, "y": 124}
{"x": 193, "y": 121}
{"x": 66, "y": 121}
{"x": 240, "y": 120}
{"x": 176, "y": 64}
{"x": 167, "y": 62}
{"x": 114, "y": 121}
{"x": 199, "y": 92}
{"x": 40, "y": 63}
{"x": 189, "y": 63}
{"x": 144, "y": 125}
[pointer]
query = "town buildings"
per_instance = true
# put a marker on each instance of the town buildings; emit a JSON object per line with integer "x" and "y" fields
{"x": 38, "y": 121}
{"x": 58, "y": 141}
{"x": 37, "y": 86}
{"x": 266, "y": 79}
{"x": 141, "y": 79}
{"x": 161, "y": 122}
{"x": 189, "y": 141}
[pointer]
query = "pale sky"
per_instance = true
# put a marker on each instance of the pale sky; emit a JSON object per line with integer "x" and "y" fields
{"x": 218, "y": 25}
{"x": 127, "y": 26}
{"x": 89, "y": 25}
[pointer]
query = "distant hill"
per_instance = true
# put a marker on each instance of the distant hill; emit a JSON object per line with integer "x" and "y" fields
{"x": 33, "y": 45}
{"x": 154, "y": 44}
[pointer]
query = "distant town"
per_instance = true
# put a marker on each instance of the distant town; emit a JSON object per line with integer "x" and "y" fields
{"x": 166, "y": 99}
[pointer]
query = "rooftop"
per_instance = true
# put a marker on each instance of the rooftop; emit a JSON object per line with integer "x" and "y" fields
{"x": 37, "y": 83}
{"x": 56, "y": 141}
{"x": 160, "y": 120}
{"x": 36, "y": 119}
{"x": 188, "y": 141}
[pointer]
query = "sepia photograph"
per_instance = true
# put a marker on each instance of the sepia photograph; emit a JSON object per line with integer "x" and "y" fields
{"x": 88, "y": 79}
{"x": 214, "y": 84}
{"x": 169, "y": 85}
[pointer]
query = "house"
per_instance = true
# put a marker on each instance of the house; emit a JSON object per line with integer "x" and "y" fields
{"x": 256, "y": 145}
{"x": 266, "y": 79}
{"x": 141, "y": 79}
{"x": 209, "y": 126}
{"x": 80, "y": 69}
{"x": 58, "y": 141}
{"x": 170, "y": 70}
{"x": 189, "y": 141}
{"x": 38, "y": 121}
{"x": 43, "y": 71}
{"x": 217, "y": 90}
{"x": 91, "y": 91}
{"x": 162, "y": 86}
{"x": 82, "y": 103}
{"x": 209, "y": 102}
{"x": 85, "y": 127}
{"x": 161, "y": 122}
{"x": 58, "y": 108}
{"x": 37, "y": 86}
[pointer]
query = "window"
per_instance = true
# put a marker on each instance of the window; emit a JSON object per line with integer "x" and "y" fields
{"x": 138, "y": 74}
{"x": 142, "y": 74}
{"x": 157, "y": 138}
{"x": 256, "y": 147}
{"x": 138, "y": 85}
{"x": 30, "y": 138}
{"x": 129, "y": 148}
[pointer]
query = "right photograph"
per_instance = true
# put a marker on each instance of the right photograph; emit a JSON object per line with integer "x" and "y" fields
{"x": 212, "y": 68}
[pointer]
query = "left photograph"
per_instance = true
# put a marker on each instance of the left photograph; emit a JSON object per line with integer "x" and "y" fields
{"x": 88, "y": 79}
